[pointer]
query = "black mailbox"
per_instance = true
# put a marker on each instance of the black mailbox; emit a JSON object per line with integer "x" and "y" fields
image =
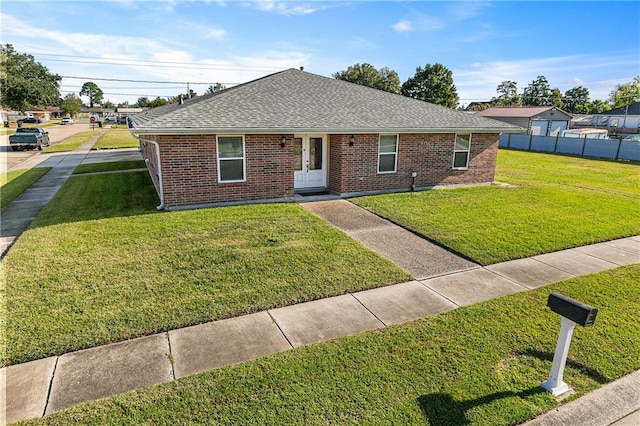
{"x": 573, "y": 310}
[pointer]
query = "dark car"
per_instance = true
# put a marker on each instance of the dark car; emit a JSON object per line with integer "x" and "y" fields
{"x": 31, "y": 120}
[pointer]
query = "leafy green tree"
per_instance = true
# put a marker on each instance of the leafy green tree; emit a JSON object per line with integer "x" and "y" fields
{"x": 215, "y": 88}
{"x": 143, "y": 102}
{"x": 158, "y": 101}
{"x": 93, "y": 92}
{"x": 576, "y": 100}
{"x": 109, "y": 105}
{"x": 71, "y": 105}
{"x": 625, "y": 94}
{"x": 434, "y": 84}
{"x": 367, "y": 75}
{"x": 598, "y": 106}
{"x": 537, "y": 93}
{"x": 556, "y": 98}
{"x": 507, "y": 94}
{"x": 25, "y": 82}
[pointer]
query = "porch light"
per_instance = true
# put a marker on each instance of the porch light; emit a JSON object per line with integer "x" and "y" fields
{"x": 351, "y": 140}
{"x": 283, "y": 141}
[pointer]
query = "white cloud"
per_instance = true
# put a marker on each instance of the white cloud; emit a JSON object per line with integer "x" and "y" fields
{"x": 478, "y": 81}
{"x": 463, "y": 10}
{"x": 402, "y": 26}
{"x": 419, "y": 22}
{"x": 284, "y": 8}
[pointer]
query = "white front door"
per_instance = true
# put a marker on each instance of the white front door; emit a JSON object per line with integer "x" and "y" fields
{"x": 311, "y": 161}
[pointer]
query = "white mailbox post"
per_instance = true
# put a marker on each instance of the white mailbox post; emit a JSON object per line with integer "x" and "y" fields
{"x": 572, "y": 312}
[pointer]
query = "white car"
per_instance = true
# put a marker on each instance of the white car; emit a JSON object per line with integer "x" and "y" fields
{"x": 67, "y": 120}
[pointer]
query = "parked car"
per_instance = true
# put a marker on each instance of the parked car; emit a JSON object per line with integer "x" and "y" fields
{"x": 31, "y": 120}
{"x": 111, "y": 118}
{"x": 29, "y": 138}
{"x": 67, "y": 120}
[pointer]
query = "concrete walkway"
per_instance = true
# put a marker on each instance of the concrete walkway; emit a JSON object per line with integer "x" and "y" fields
{"x": 444, "y": 282}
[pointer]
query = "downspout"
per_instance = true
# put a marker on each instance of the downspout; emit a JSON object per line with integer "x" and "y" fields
{"x": 159, "y": 188}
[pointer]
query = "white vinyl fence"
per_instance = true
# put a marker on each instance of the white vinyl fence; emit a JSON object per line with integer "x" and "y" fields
{"x": 613, "y": 149}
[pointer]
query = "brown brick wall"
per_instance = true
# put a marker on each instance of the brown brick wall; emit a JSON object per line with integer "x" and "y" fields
{"x": 355, "y": 168}
{"x": 190, "y": 170}
{"x": 190, "y": 175}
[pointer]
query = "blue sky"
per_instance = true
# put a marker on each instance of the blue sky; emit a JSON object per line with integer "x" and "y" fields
{"x": 592, "y": 44}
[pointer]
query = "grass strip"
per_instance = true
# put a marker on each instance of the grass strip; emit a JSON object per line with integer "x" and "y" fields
{"x": 116, "y": 269}
{"x": 14, "y": 183}
{"x": 109, "y": 166}
{"x": 557, "y": 202}
{"x": 481, "y": 364}
{"x": 116, "y": 138}
{"x": 71, "y": 143}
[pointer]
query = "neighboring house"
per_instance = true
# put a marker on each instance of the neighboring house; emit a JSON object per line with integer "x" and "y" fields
{"x": 539, "y": 121}
{"x": 294, "y": 132}
{"x": 54, "y": 111}
{"x": 621, "y": 120}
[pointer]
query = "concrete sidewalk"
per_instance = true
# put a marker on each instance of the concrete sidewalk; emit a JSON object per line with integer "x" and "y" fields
{"x": 18, "y": 215}
{"x": 48, "y": 385}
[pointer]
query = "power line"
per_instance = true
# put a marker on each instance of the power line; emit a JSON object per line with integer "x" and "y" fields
{"x": 145, "y": 81}
{"x": 193, "y": 67}
{"x": 222, "y": 67}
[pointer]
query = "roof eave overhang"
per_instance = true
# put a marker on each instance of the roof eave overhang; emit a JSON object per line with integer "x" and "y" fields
{"x": 242, "y": 131}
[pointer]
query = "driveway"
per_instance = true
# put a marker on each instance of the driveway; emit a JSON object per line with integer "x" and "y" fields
{"x": 11, "y": 160}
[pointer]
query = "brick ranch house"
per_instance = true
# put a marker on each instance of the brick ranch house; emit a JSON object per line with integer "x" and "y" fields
{"x": 294, "y": 131}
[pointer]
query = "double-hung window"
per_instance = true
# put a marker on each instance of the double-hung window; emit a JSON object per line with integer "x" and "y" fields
{"x": 387, "y": 153}
{"x": 231, "y": 159}
{"x": 461, "y": 151}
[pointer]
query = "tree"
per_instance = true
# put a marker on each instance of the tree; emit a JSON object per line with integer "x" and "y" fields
{"x": 25, "y": 82}
{"x": 556, "y": 98}
{"x": 433, "y": 83}
{"x": 108, "y": 105}
{"x": 507, "y": 94}
{"x": 576, "y": 100}
{"x": 91, "y": 90}
{"x": 216, "y": 88}
{"x": 158, "y": 101}
{"x": 71, "y": 105}
{"x": 537, "y": 93}
{"x": 367, "y": 75}
{"x": 625, "y": 94}
{"x": 598, "y": 106}
{"x": 143, "y": 102}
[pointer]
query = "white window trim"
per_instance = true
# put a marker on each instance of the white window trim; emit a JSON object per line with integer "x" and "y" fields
{"x": 395, "y": 164}
{"x": 243, "y": 158}
{"x": 468, "y": 151}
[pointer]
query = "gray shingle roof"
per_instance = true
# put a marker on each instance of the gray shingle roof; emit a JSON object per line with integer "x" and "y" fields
{"x": 294, "y": 101}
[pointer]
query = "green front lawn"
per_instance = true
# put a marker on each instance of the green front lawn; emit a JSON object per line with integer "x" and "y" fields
{"x": 116, "y": 138}
{"x": 556, "y": 202}
{"x": 481, "y": 364}
{"x": 116, "y": 269}
{"x": 71, "y": 143}
{"x": 110, "y": 166}
{"x": 14, "y": 183}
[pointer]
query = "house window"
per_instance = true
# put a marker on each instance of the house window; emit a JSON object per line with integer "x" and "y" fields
{"x": 461, "y": 151}
{"x": 387, "y": 153}
{"x": 231, "y": 160}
